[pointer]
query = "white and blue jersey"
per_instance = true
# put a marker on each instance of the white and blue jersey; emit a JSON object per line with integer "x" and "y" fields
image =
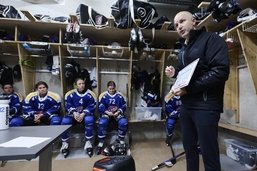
{"x": 81, "y": 103}
{"x": 48, "y": 105}
{"x": 172, "y": 111}
{"x": 15, "y": 104}
{"x": 75, "y": 101}
{"x": 113, "y": 103}
{"x": 172, "y": 106}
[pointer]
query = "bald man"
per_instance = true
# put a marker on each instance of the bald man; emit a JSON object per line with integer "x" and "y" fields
{"x": 202, "y": 99}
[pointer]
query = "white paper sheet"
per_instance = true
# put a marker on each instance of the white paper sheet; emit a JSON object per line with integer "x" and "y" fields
{"x": 185, "y": 75}
{"x": 24, "y": 142}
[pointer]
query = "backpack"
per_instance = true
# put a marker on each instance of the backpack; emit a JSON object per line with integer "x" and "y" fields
{"x": 126, "y": 11}
{"x": 87, "y": 15}
{"x": 9, "y": 11}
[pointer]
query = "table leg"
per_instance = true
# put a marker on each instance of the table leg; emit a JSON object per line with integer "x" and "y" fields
{"x": 45, "y": 159}
{"x": 3, "y": 163}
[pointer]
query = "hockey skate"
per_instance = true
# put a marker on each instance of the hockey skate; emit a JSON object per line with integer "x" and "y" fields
{"x": 88, "y": 148}
{"x": 69, "y": 34}
{"x": 65, "y": 149}
{"x": 120, "y": 148}
{"x": 109, "y": 150}
{"x": 99, "y": 149}
{"x": 133, "y": 39}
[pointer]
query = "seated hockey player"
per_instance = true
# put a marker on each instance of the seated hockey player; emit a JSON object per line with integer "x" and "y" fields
{"x": 172, "y": 107}
{"x": 42, "y": 107}
{"x": 15, "y": 98}
{"x": 80, "y": 104}
{"x": 112, "y": 106}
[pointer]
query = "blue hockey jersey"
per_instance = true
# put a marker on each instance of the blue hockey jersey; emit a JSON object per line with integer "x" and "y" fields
{"x": 112, "y": 103}
{"x": 172, "y": 105}
{"x": 48, "y": 105}
{"x": 15, "y": 103}
{"x": 86, "y": 102}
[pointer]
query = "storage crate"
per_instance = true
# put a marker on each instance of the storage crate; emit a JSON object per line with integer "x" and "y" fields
{"x": 148, "y": 113}
{"x": 243, "y": 152}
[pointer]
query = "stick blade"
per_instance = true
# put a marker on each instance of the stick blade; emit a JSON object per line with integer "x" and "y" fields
{"x": 170, "y": 163}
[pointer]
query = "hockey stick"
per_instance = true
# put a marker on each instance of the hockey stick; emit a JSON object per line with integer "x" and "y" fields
{"x": 172, "y": 151}
{"x": 169, "y": 163}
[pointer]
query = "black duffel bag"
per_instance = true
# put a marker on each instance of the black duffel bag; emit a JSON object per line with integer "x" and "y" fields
{"x": 8, "y": 11}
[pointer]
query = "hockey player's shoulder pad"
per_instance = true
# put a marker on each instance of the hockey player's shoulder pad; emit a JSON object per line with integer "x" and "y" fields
{"x": 30, "y": 96}
{"x": 102, "y": 95}
{"x": 69, "y": 93}
{"x": 121, "y": 95}
{"x": 91, "y": 93}
{"x": 54, "y": 96}
{"x": 19, "y": 96}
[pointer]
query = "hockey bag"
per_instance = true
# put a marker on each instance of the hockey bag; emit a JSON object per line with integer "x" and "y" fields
{"x": 143, "y": 11}
{"x": 9, "y": 12}
{"x": 126, "y": 11}
{"x": 121, "y": 13}
{"x": 87, "y": 15}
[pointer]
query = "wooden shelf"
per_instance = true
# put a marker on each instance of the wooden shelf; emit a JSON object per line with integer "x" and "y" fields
{"x": 203, "y": 5}
{"x": 236, "y": 128}
{"x": 29, "y": 15}
{"x": 250, "y": 26}
{"x": 248, "y": 44}
{"x": 233, "y": 31}
{"x": 106, "y": 67}
{"x": 213, "y": 26}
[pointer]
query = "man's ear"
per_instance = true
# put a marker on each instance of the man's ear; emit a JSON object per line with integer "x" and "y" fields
{"x": 194, "y": 22}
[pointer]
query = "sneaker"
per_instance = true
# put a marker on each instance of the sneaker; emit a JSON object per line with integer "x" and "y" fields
{"x": 247, "y": 14}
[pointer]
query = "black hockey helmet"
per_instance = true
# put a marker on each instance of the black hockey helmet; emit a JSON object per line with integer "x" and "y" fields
{"x": 17, "y": 72}
{"x": 69, "y": 73}
{"x": 6, "y": 75}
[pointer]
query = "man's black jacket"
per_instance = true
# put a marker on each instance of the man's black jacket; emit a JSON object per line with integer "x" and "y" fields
{"x": 206, "y": 88}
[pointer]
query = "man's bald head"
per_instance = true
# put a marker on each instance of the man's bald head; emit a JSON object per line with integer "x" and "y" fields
{"x": 185, "y": 14}
{"x": 184, "y": 22}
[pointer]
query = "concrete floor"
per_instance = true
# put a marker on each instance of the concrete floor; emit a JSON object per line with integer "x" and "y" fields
{"x": 146, "y": 155}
